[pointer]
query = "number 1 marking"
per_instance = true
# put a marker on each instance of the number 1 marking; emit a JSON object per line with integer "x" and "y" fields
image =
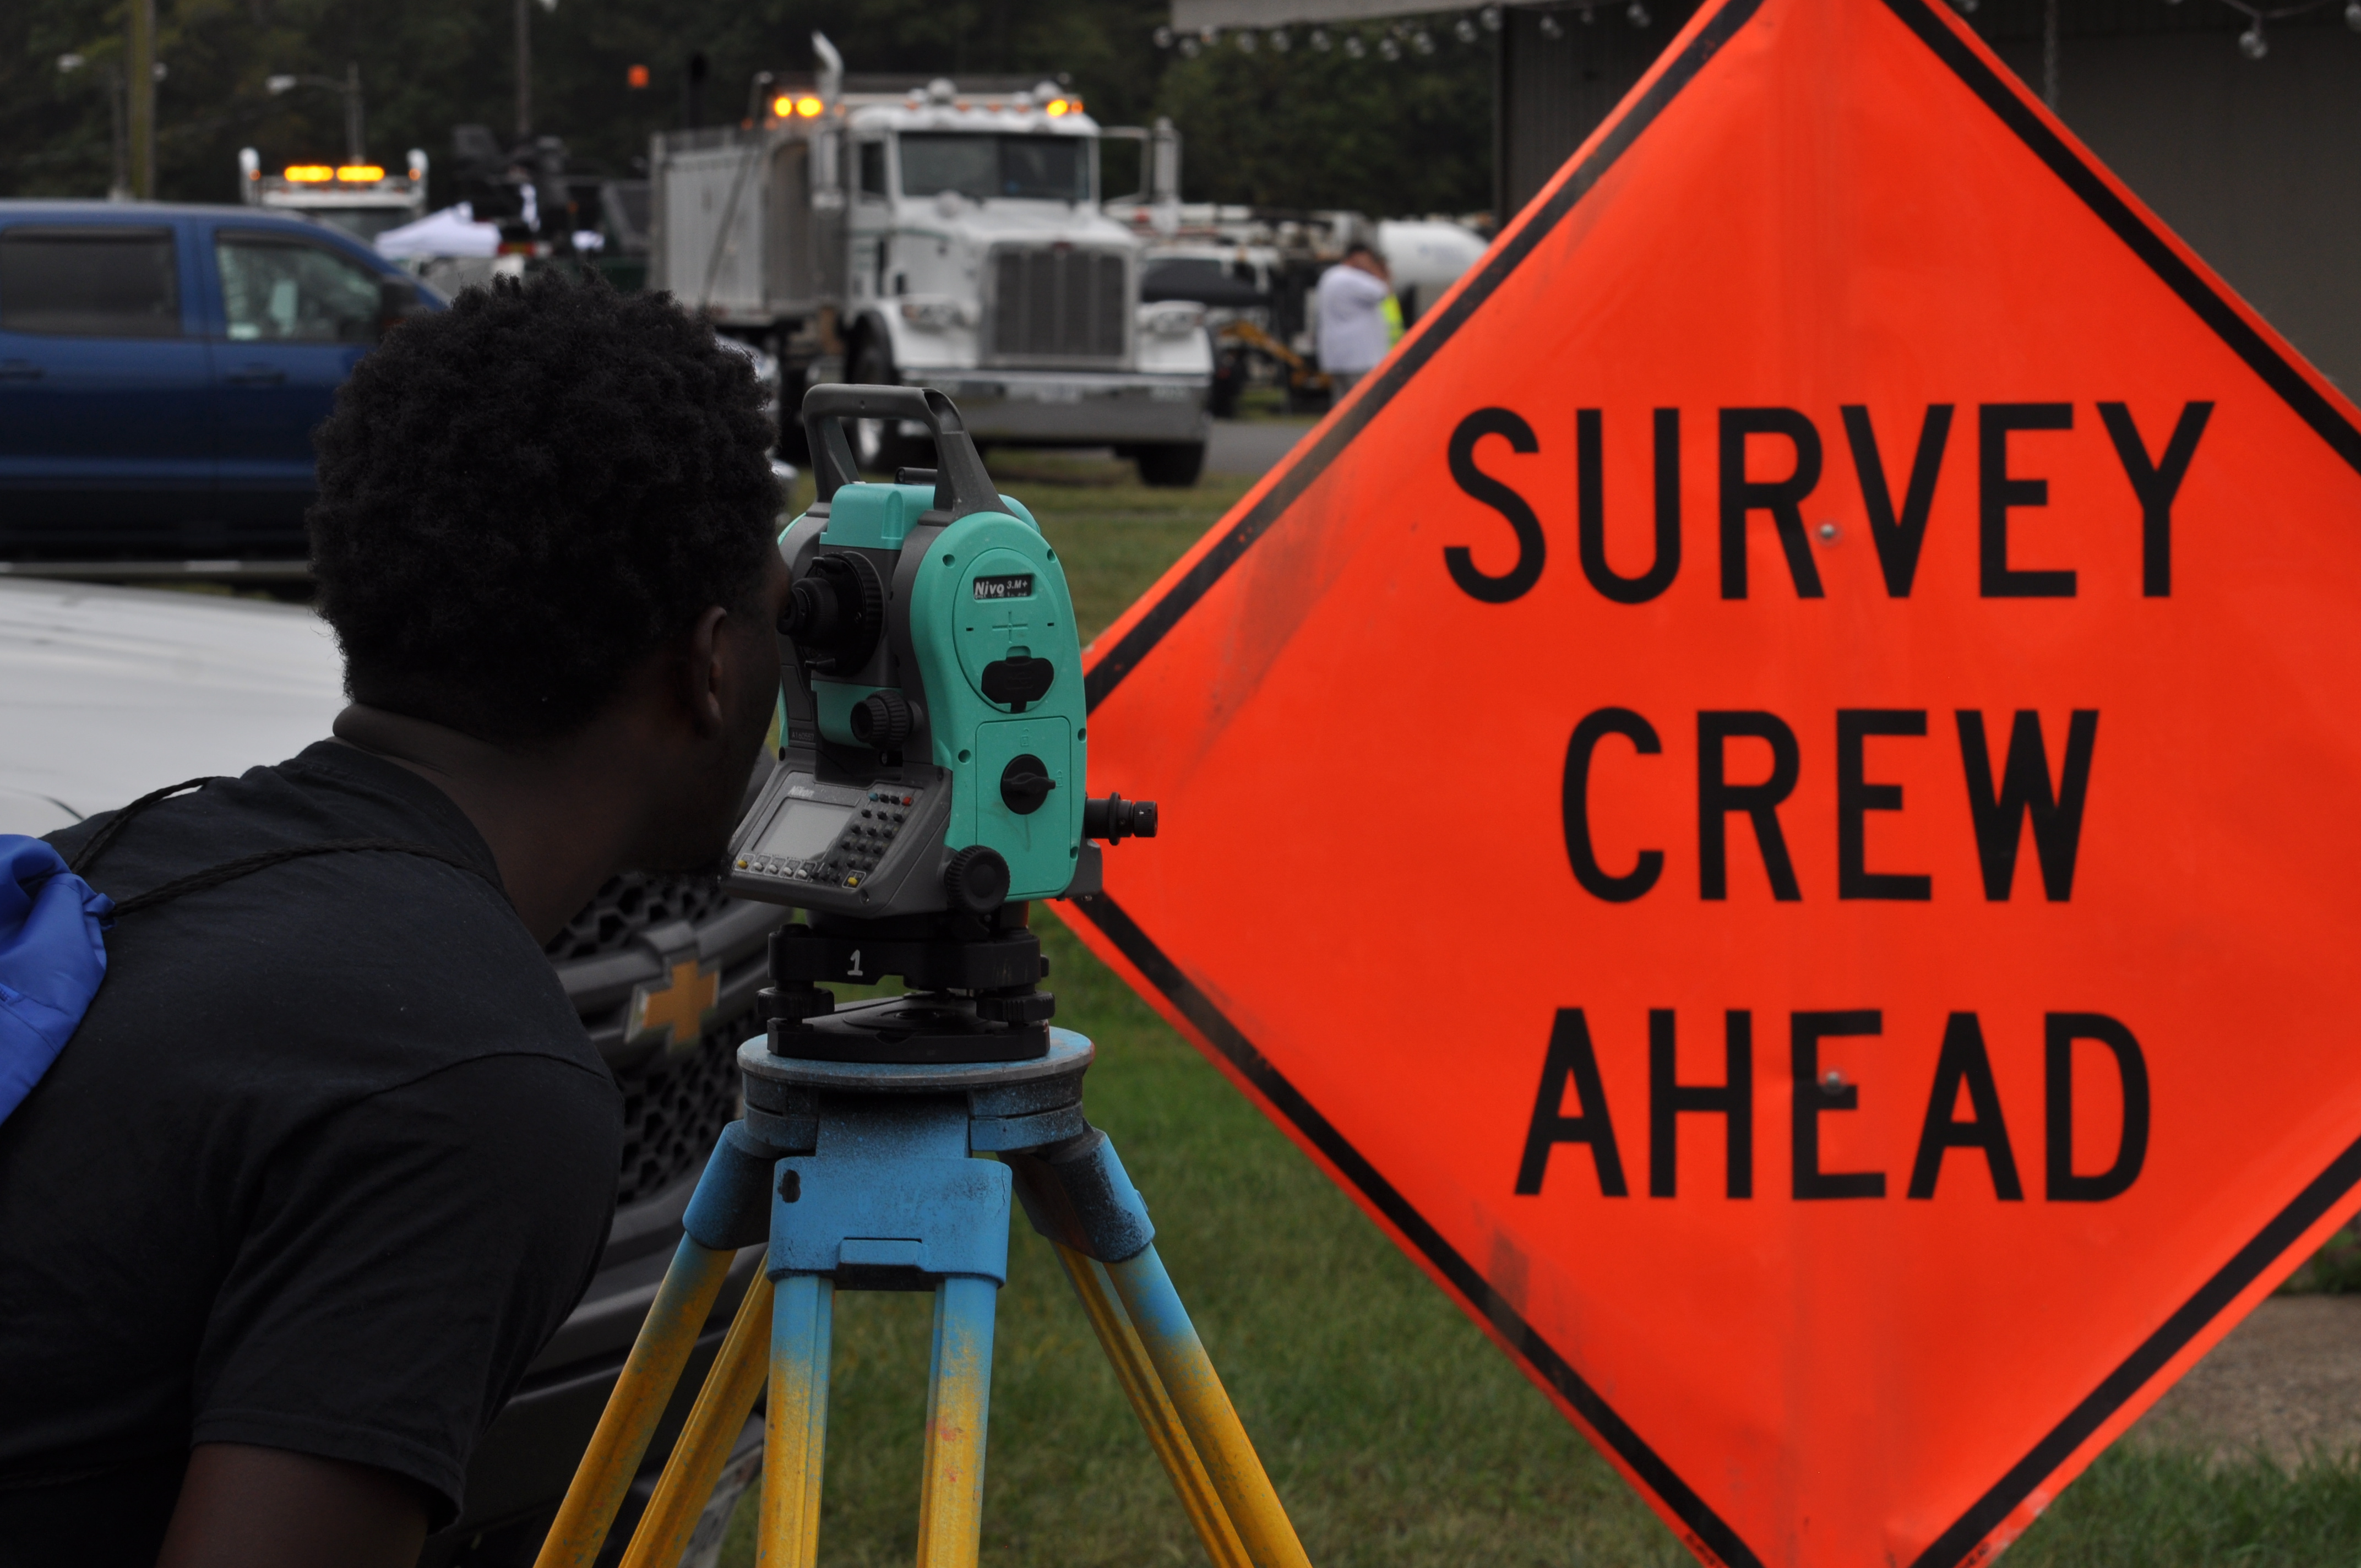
{"x": 856, "y": 963}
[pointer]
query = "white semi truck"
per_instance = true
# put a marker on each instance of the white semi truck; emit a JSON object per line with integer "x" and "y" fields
{"x": 936, "y": 235}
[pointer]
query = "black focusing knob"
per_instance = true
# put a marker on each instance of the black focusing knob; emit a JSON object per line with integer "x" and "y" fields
{"x": 1116, "y": 819}
{"x": 882, "y": 721}
{"x": 976, "y": 879}
{"x": 834, "y": 613}
{"x": 1025, "y": 784}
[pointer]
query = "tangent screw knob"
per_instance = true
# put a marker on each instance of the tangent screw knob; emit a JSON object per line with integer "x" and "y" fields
{"x": 882, "y": 721}
{"x": 976, "y": 879}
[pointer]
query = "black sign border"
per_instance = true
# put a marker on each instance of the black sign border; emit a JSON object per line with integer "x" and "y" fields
{"x": 2196, "y": 289}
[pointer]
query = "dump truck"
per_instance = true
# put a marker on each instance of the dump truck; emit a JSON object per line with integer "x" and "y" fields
{"x": 935, "y": 234}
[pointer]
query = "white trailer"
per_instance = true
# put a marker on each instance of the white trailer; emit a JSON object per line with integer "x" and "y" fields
{"x": 932, "y": 236}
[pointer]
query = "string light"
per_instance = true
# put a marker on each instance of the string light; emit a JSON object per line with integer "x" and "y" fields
{"x": 1279, "y": 42}
{"x": 2251, "y": 43}
{"x": 1638, "y": 14}
{"x": 1354, "y": 48}
{"x": 1390, "y": 46}
{"x": 1320, "y": 36}
{"x": 1551, "y": 29}
{"x": 1464, "y": 30}
{"x": 1491, "y": 16}
{"x": 1245, "y": 41}
{"x": 1163, "y": 37}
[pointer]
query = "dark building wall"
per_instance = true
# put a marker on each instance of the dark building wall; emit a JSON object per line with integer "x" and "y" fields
{"x": 1554, "y": 91}
{"x": 2255, "y": 163}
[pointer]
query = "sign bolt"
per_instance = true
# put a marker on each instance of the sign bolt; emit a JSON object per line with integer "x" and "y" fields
{"x": 1828, "y": 533}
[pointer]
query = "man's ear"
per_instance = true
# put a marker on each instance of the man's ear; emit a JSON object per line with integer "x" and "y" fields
{"x": 704, "y": 673}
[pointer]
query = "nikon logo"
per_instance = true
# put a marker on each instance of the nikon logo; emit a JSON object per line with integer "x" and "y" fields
{"x": 1015, "y": 585}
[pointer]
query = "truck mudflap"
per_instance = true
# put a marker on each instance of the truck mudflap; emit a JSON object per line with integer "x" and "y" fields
{"x": 1071, "y": 408}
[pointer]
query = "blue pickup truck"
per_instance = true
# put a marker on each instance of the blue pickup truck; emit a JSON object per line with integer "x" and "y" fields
{"x": 161, "y": 370}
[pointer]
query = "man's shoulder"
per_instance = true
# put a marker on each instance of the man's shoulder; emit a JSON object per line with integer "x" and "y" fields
{"x": 359, "y": 969}
{"x": 1342, "y": 279}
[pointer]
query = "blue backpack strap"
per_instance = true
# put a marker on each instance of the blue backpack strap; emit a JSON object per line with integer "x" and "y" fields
{"x": 53, "y": 925}
{"x": 52, "y": 956}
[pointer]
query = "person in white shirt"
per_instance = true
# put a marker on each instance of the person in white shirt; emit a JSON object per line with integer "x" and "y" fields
{"x": 1352, "y": 316}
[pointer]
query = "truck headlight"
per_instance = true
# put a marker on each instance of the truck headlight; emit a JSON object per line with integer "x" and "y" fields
{"x": 935, "y": 315}
{"x": 1172, "y": 318}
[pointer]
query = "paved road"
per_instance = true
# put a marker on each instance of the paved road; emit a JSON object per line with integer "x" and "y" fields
{"x": 1255, "y": 447}
{"x": 2286, "y": 1380}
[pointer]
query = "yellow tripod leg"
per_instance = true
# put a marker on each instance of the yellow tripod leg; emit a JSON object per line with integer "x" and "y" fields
{"x": 714, "y": 1422}
{"x": 683, "y": 1302}
{"x": 1205, "y": 1412}
{"x": 795, "y": 1429}
{"x": 1148, "y": 1400}
{"x": 959, "y": 1404}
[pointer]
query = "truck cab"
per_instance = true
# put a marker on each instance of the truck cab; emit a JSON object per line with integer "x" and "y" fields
{"x": 161, "y": 370}
{"x": 940, "y": 236}
{"x": 362, "y": 199}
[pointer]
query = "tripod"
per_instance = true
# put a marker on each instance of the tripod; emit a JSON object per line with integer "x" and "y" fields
{"x": 858, "y": 1175}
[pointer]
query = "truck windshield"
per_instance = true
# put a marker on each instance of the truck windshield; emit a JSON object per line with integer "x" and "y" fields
{"x": 981, "y": 166}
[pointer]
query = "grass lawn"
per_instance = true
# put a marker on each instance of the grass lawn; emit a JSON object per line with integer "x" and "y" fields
{"x": 1394, "y": 1430}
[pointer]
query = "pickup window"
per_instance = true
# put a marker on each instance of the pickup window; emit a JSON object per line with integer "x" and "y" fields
{"x": 981, "y": 166}
{"x": 284, "y": 291}
{"x": 873, "y": 169}
{"x": 89, "y": 283}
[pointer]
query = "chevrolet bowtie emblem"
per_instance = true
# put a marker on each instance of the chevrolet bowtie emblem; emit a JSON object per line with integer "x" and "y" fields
{"x": 677, "y": 1007}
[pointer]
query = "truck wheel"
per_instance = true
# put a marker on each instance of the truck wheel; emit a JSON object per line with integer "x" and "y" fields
{"x": 878, "y": 444}
{"x": 1229, "y": 380}
{"x": 1172, "y": 465}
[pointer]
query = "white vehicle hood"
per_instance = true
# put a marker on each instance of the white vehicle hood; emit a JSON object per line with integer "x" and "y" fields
{"x": 108, "y": 693}
{"x": 989, "y": 222}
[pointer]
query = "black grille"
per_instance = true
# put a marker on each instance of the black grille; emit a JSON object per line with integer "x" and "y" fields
{"x": 675, "y": 1108}
{"x": 1056, "y": 303}
{"x": 674, "y": 1105}
{"x": 629, "y": 904}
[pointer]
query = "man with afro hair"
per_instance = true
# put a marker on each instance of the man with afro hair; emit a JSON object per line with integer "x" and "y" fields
{"x": 330, "y": 1156}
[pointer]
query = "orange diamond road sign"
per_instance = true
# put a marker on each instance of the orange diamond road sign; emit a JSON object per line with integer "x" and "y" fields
{"x": 1775, "y": 793}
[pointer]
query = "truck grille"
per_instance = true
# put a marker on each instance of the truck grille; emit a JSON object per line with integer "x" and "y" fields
{"x": 672, "y": 1114}
{"x": 674, "y": 1105}
{"x": 630, "y": 903}
{"x": 1058, "y": 304}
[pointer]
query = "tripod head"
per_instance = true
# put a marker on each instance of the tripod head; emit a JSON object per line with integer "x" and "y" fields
{"x": 931, "y": 770}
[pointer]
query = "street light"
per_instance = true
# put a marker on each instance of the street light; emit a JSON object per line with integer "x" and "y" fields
{"x": 350, "y": 87}
{"x": 119, "y": 189}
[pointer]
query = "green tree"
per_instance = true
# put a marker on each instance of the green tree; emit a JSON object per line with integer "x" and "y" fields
{"x": 1301, "y": 130}
{"x": 1312, "y": 128}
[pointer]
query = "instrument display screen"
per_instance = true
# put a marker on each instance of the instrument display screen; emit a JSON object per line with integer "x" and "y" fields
{"x": 802, "y": 829}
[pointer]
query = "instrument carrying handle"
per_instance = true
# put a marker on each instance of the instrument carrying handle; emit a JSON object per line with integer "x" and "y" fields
{"x": 962, "y": 485}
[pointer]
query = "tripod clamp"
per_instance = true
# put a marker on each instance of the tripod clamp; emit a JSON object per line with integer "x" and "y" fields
{"x": 869, "y": 1163}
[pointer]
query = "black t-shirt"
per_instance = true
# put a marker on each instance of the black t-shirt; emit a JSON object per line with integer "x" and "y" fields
{"x": 327, "y": 1162}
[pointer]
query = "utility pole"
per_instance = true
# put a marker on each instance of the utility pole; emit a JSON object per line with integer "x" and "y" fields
{"x": 354, "y": 151}
{"x": 524, "y": 70}
{"x": 142, "y": 72}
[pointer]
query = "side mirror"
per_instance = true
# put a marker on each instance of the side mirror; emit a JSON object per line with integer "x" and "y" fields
{"x": 398, "y": 301}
